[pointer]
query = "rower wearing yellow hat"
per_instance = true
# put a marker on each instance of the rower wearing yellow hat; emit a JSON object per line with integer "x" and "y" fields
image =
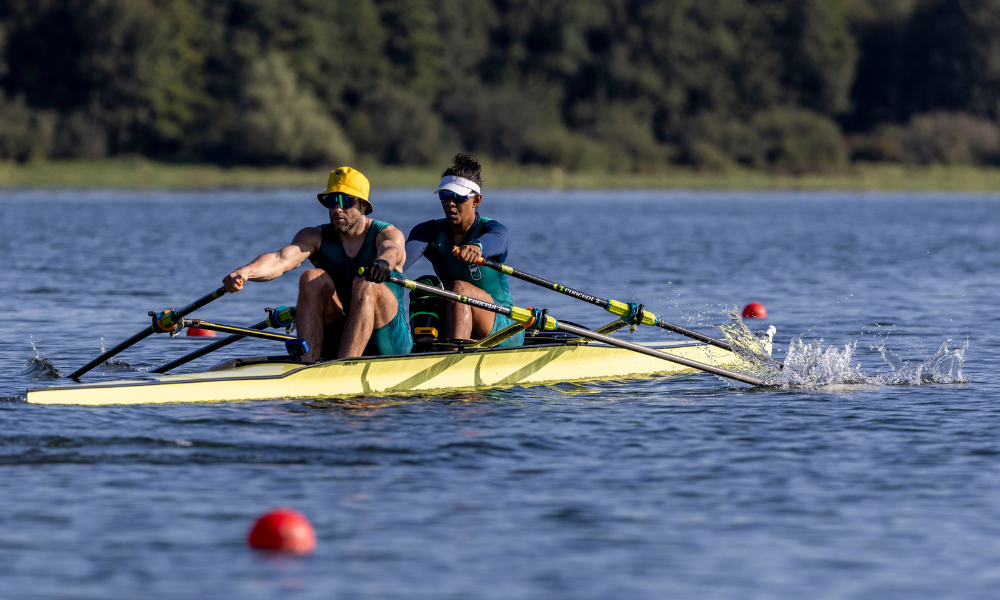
{"x": 338, "y": 313}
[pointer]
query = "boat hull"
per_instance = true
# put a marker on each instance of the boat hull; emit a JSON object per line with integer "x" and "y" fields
{"x": 437, "y": 371}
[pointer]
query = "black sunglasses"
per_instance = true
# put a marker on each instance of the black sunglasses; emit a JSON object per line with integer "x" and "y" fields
{"x": 344, "y": 201}
{"x": 449, "y": 196}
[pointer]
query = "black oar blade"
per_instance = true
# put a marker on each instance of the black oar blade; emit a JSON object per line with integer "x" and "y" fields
{"x": 135, "y": 339}
{"x": 218, "y": 345}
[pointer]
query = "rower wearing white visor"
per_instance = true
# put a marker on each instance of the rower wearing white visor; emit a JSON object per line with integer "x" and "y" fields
{"x": 454, "y": 243}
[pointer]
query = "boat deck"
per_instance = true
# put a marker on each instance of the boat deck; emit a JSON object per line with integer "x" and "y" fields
{"x": 255, "y": 379}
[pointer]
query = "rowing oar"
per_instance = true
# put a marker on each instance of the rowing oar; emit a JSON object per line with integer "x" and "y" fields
{"x": 283, "y": 316}
{"x": 529, "y": 317}
{"x": 296, "y": 347}
{"x": 163, "y": 321}
{"x": 622, "y": 309}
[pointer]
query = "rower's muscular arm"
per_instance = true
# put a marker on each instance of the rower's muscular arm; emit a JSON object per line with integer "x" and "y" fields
{"x": 275, "y": 264}
{"x": 392, "y": 247}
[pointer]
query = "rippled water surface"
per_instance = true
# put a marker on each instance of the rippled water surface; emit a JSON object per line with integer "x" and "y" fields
{"x": 873, "y": 471}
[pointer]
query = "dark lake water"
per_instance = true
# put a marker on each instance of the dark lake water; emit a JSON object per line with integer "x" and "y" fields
{"x": 877, "y": 478}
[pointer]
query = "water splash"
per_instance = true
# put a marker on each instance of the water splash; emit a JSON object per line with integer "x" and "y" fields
{"x": 944, "y": 366}
{"x": 755, "y": 359}
{"x": 809, "y": 365}
{"x": 115, "y": 365}
{"x": 38, "y": 367}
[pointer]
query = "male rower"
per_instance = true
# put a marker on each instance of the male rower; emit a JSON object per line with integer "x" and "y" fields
{"x": 454, "y": 243}
{"x": 332, "y": 293}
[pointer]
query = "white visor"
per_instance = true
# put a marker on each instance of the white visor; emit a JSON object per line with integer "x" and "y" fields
{"x": 459, "y": 185}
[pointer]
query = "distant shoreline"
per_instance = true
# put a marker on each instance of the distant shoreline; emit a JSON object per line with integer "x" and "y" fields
{"x": 136, "y": 173}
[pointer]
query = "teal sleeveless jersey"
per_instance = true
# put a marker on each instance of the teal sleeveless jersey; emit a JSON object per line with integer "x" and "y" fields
{"x": 343, "y": 269}
{"x": 449, "y": 269}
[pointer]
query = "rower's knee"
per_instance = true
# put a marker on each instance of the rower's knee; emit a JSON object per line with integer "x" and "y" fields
{"x": 315, "y": 282}
{"x": 462, "y": 287}
{"x": 363, "y": 290}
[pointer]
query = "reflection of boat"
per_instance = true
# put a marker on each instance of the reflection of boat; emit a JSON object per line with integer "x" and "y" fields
{"x": 544, "y": 360}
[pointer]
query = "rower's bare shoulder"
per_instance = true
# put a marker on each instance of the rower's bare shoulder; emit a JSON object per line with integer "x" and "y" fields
{"x": 390, "y": 232}
{"x": 309, "y": 234}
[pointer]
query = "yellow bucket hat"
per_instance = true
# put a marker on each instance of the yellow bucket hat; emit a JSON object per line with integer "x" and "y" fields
{"x": 349, "y": 181}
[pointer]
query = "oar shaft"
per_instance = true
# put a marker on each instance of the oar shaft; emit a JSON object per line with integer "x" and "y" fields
{"x": 135, "y": 339}
{"x": 433, "y": 291}
{"x": 206, "y": 350}
{"x": 545, "y": 283}
{"x": 586, "y": 333}
{"x": 524, "y": 316}
{"x": 190, "y": 308}
{"x": 244, "y": 331}
{"x": 612, "y": 306}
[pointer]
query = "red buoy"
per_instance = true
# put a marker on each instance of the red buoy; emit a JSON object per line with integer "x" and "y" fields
{"x": 283, "y": 529}
{"x": 754, "y": 310}
{"x": 195, "y": 332}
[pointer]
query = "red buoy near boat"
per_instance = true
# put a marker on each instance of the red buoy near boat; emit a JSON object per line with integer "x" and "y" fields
{"x": 754, "y": 310}
{"x": 283, "y": 529}
{"x": 195, "y": 332}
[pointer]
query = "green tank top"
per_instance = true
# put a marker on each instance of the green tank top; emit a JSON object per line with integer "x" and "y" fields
{"x": 449, "y": 269}
{"x": 343, "y": 269}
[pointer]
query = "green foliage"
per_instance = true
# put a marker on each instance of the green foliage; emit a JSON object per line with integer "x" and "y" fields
{"x": 78, "y": 135}
{"x": 799, "y": 140}
{"x": 397, "y": 127}
{"x": 25, "y": 133}
{"x": 942, "y": 55}
{"x": 785, "y": 139}
{"x": 492, "y": 121}
{"x": 935, "y": 138}
{"x": 625, "y": 85}
{"x": 277, "y": 122}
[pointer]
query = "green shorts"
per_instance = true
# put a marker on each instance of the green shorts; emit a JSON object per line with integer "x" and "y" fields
{"x": 394, "y": 338}
{"x": 502, "y": 321}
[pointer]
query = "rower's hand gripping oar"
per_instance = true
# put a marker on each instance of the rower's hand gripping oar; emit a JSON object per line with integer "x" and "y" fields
{"x": 538, "y": 319}
{"x": 629, "y": 312}
{"x": 163, "y": 322}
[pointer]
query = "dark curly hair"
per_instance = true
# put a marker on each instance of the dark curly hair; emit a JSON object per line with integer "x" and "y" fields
{"x": 467, "y": 167}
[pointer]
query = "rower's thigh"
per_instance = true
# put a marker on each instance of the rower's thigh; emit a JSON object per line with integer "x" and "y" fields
{"x": 384, "y": 301}
{"x": 482, "y": 320}
{"x": 316, "y": 288}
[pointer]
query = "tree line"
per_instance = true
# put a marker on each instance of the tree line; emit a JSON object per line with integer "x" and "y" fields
{"x": 625, "y": 85}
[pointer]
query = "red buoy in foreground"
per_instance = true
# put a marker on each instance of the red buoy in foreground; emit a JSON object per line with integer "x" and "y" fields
{"x": 195, "y": 332}
{"x": 283, "y": 529}
{"x": 754, "y": 310}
